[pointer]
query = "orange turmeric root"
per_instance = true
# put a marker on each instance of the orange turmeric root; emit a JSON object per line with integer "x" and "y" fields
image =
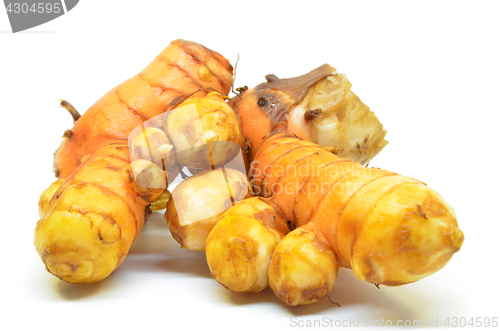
{"x": 89, "y": 223}
{"x": 389, "y": 229}
{"x": 181, "y": 68}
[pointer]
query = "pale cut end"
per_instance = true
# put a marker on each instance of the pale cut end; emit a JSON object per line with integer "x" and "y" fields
{"x": 331, "y": 115}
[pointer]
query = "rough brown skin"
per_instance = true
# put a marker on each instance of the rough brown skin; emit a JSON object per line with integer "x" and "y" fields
{"x": 263, "y": 110}
{"x": 389, "y": 229}
{"x": 181, "y": 69}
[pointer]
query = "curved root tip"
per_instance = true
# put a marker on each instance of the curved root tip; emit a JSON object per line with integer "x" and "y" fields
{"x": 72, "y": 110}
{"x": 334, "y": 303}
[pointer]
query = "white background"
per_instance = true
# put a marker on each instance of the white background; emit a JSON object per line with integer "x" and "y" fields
{"x": 428, "y": 69}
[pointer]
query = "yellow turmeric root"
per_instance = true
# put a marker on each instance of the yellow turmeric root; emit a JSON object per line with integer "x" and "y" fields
{"x": 93, "y": 217}
{"x": 240, "y": 245}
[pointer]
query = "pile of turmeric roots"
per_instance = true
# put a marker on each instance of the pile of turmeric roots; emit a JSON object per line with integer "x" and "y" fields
{"x": 271, "y": 183}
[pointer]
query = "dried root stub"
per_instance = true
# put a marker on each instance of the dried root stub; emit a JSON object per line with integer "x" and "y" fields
{"x": 318, "y": 107}
{"x": 161, "y": 202}
{"x": 240, "y": 245}
{"x": 197, "y": 202}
